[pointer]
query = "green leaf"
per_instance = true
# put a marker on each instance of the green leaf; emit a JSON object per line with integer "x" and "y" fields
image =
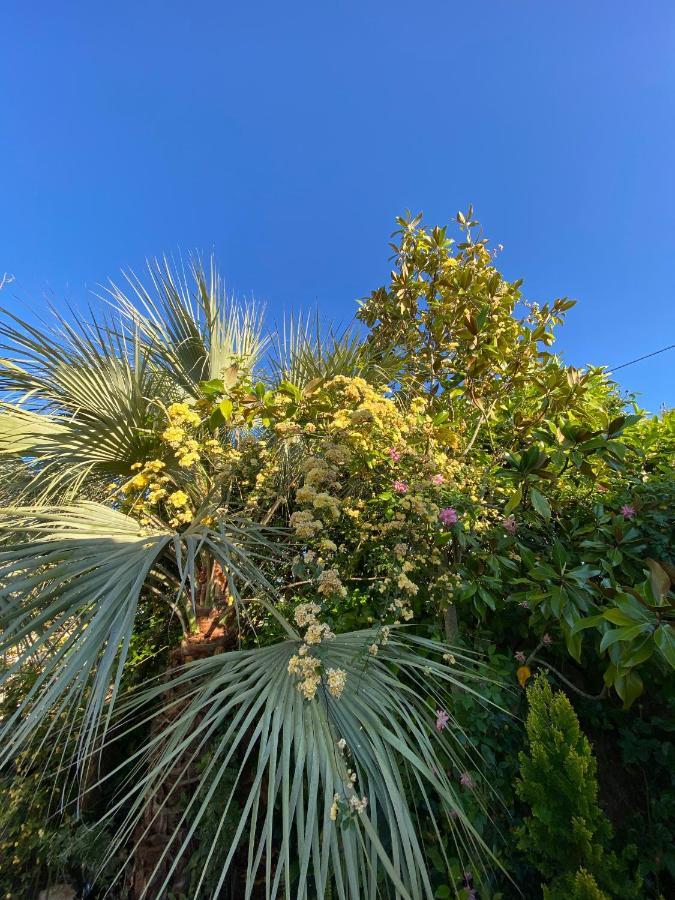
{"x": 291, "y": 390}
{"x": 226, "y": 407}
{"x": 540, "y": 504}
{"x": 636, "y": 654}
{"x": 212, "y": 388}
{"x": 617, "y": 617}
{"x": 573, "y": 643}
{"x": 616, "y": 425}
{"x": 514, "y": 501}
{"x": 620, "y": 634}
{"x": 588, "y": 622}
{"x": 628, "y": 687}
{"x": 664, "y": 637}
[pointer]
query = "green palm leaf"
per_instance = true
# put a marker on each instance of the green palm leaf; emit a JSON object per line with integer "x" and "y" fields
{"x": 70, "y": 581}
{"x": 245, "y": 709}
{"x": 304, "y": 352}
{"x": 193, "y": 330}
{"x": 81, "y": 406}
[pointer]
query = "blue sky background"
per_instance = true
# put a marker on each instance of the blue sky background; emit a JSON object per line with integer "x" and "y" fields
{"x": 287, "y": 136}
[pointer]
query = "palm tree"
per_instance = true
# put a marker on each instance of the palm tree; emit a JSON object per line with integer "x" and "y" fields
{"x": 80, "y": 570}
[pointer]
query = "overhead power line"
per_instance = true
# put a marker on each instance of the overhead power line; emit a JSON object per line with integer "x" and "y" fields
{"x": 640, "y": 358}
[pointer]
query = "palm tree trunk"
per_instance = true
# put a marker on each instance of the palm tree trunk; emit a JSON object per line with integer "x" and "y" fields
{"x": 215, "y": 631}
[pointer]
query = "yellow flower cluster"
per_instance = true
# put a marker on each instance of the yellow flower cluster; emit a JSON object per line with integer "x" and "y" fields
{"x": 330, "y": 584}
{"x": 306, "y": 617}
{"x": 336, "y": 680}
{"x": 368, "y": 421}
{"x": 308, "y": 671}
{"x": 149, "y": 486}
{"x": 304, "y": 524}
{"x": 182, "y": 511}
{"x": 181, "y": 417}
{"x": 181, "y": 413}
{"x": 307, "y": 667}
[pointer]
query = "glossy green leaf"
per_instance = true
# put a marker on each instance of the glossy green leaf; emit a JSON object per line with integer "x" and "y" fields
{"x": 540, "y": 504}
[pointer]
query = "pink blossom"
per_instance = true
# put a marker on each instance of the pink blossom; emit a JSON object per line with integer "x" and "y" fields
{"x": 524, "y": 604}
{"x": 547, "y": 640}
{"x": 466, "y": 781}
{"x": 394, "y": 454}
{"x": 627, "y": 511}
{"x": 509, "y": 524}
{"x": 401, "y": 487}
{"x": 520, "y": 656}
{"x": 448, "y": 516}
{"x": 437, "y": 479}
{"x": 470, "y": 891}
{"x": 442, "y": 719}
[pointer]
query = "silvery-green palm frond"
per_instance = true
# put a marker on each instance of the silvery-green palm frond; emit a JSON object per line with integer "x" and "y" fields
{"x": 302, "y": 813}
{"x": 70, "y": 582}
{"x": 195, "y": 332}
{"x": 77, "y": 403}
{"x": 304, "y": 352}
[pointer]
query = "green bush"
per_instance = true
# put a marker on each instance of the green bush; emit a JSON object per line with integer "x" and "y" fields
{"x": 581, "y": 887}
{"x": 566, "y": 830}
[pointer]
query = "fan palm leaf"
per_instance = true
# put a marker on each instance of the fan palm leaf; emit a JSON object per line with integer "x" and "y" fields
{"x": 80, "y": 405}
{"x": 193, "y": 330}
{"x": 303, "y": 352}
{"x": 244, "y": 707}
{"x": 70, "y": 582}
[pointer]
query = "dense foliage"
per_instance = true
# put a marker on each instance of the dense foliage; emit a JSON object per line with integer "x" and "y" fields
{"x": 341, "y": 557}
{"x": 566, "y": 833}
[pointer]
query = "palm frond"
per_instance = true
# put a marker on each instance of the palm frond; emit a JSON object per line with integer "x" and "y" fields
{"x": 80, "y": 404}
{"x": 194, "y": 331}
{"x": 245, "y": 709}
{"x": 304, "y": 352}
{"x": 70, "y": 582}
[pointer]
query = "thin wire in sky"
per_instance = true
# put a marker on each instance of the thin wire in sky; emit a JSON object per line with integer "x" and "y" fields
{"x": 640, "y": 358}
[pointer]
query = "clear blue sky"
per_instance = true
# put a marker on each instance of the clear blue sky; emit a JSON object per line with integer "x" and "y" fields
{"x": 287, "y": 136}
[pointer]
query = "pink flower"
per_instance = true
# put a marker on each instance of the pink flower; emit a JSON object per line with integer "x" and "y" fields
{"x": 520, "y": 656}
{"x": 437, "y": 479}
{"x": 627, "y": 511}
{"x": 524, "y": 604}
{"x": 466, "y": 781}
{"x": 442, "y": 719}
{"x": 394, "y": 454}
{"x": 509, "y": 524}
{"x": 470, "y": 892}
{"x": 547, "y": 640}
{"x": 448, "y": 516}
{"x": 401, "y": 487}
